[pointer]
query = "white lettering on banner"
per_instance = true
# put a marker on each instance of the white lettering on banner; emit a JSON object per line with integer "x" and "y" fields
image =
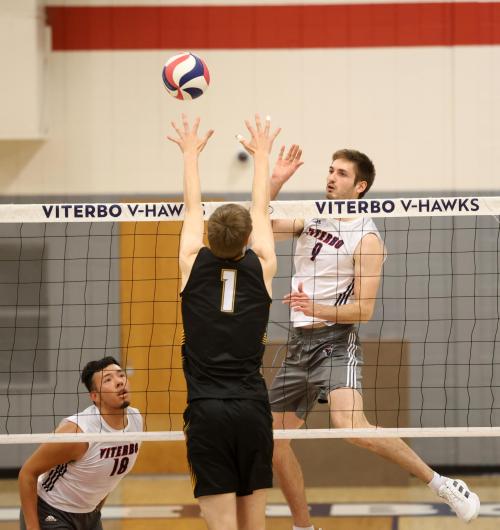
{"x": 306, "y": 209}
{"x": 112, "y": 211}
{"x": 156, "y": 209}
{"x": 355, "y": 207}
{"x": 387, "y": 206}
{"x": 82, "y": 211}
{"x": 442, "y": 205}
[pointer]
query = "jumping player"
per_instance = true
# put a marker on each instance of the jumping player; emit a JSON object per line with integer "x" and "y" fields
{"x": 226, "y": 296}
{"x": 338, "y": 263}
{"x": 64, "y": 485}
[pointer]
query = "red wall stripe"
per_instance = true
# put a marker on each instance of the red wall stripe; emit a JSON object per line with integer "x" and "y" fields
{"x": 277, "y": 26}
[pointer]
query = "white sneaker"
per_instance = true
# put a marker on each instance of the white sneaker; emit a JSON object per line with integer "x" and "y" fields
{"x": 461, "y": 500}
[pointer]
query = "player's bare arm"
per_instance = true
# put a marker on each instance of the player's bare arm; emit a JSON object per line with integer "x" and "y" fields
{"x": 368, "y": 260}
{"x": 259, "y": 147}
{"x": 191, "y": 146}
{"x": 44, "y": 458}
{"x": 284, "y": 169}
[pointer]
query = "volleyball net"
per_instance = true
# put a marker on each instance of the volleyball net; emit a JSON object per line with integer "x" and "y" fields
{"x": 84, "y": 281}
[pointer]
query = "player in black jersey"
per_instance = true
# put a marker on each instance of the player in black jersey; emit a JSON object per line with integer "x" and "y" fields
{"x": 226, "y": 296}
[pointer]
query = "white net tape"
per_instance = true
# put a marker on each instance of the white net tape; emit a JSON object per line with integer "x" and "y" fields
{"x": 174, "y": 211}
{"x": 279, "y": 434}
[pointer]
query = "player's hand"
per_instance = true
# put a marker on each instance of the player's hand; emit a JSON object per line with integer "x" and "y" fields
{"x": 187, "y": 137}
{"x": 300, "y": 301}
{"x": 287, "y": 166}
{"x": 261, "y": 139}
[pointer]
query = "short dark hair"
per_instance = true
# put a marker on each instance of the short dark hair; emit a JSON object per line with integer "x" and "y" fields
{"x": 229, "y": 228}
{"x": 365, "y": 170}
{"x": 95, "y": 366}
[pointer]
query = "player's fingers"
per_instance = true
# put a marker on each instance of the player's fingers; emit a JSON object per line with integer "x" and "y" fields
{"x": 177, "y": 130}
{"x": 175, "y": 140}
{"x": 301, "y": 287}
{"x": 206, "y": 138}
{"x": 251, "y": 130}
{"x": 245, "y": 144}
{"x": 275, "y": 133}
{"x": 267, "y": 125}
{"x": 196, "y": 125}
{"x": 298, "y": 155}
{"x": 258, "y": 124}
{"x": 281, "y": 153}
{"x": 185, "y": 123}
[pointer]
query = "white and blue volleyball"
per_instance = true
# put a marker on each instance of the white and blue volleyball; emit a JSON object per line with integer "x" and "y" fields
{"x": 185, "y": 76}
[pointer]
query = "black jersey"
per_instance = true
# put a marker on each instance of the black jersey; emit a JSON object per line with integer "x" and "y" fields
{"x": 225, "y": 309}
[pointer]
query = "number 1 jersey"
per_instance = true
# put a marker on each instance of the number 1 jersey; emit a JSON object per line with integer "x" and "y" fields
{"x": 225, "y": 310}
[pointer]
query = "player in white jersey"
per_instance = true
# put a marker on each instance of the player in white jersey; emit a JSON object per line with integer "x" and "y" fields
{"x": 338, "y": 264}
{"x": 64, "y": 485}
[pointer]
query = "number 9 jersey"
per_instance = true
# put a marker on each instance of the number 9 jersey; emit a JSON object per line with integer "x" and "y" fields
{"x": 79, "y": 486}
{"x": 225, "y": 310}
{"x": 324, "y": 262}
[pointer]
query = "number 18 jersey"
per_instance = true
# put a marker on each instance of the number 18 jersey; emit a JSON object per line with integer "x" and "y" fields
{"x": 78, "y": 487}
{"x": 225, "y": 310}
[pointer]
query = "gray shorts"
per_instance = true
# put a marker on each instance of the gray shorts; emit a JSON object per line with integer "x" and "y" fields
{"x": 317, "y": 362}
{"x": 52, "y": 518}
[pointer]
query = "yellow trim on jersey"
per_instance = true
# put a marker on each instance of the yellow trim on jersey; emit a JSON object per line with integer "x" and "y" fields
{"x": 194, "y": 478}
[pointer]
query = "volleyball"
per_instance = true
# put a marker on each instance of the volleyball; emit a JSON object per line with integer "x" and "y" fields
{"x": 185, "y": 76}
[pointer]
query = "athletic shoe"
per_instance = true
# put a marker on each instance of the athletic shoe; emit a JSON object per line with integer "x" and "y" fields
{"x": 461, "y": 500}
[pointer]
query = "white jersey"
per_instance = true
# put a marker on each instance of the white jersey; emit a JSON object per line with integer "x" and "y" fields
{"x": 324, "y": 262}
{"x": 79, "y": 486}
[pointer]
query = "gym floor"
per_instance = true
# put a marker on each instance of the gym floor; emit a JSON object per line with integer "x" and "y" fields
{"x": 166, "y": 502}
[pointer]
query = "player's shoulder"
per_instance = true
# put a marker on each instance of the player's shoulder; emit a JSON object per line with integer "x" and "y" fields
{"x": 135, "y": 417}
{"x": 370, "y": 246}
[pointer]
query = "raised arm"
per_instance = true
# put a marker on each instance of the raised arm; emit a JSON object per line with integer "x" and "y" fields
{"x": 283, "y": 170}
{"x": 44, "y": 458}
{"x": 262, "y": 234}
{"x": 192, "y": 229}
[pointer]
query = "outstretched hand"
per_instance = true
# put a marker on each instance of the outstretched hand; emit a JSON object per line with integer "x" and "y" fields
{"x": 187, "y": 138}
{"x": 287, "y": 166}
{"x": 300, "y": 301}
{"x": 261, "y": 139}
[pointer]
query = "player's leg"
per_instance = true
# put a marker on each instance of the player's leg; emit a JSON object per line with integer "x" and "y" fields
{"x": 346, "y": 406}
{"x": 251, "y": 511}
{"x": 288, "y": 472}
{"x": 219, "y": 511}
{"x": 292, "y": 395}
{"x": 346, "y": 409}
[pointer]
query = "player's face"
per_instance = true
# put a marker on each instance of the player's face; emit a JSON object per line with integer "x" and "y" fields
{"x": 111, "y": 388}
{"x": 340, "y": 181}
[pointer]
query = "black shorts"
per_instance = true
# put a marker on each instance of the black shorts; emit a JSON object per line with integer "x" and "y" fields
{"x": 51, "y": 518}
{"x": 229, "y": 445}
